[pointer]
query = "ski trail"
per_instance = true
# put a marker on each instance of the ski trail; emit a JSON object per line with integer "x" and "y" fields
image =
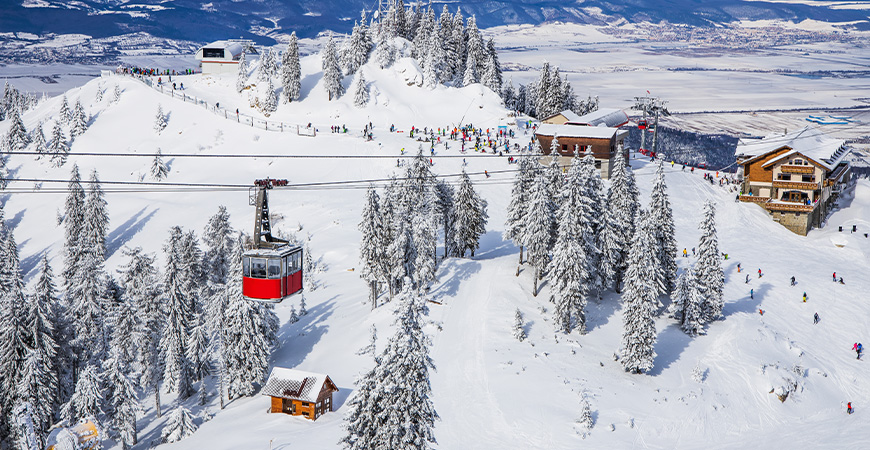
{"x": 459, "y": 355}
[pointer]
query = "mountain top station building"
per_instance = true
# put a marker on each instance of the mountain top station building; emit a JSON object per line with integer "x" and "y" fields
{"x": 220, "y": 57}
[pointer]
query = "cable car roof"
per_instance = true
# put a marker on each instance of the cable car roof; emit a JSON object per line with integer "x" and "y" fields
{"x": 276, "y": 252}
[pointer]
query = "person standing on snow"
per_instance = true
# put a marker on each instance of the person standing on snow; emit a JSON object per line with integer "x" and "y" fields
{"x": 759, "y": 273}
{"x": 752, "y": 294}
{"x": 805, "y": 297}
{"x": 849, "y": 408}
{"x": 816, "y": 318}
{"x": 835, "y": 277}
{"x": 792, "y": 281}
{"x": 747, "y": 278}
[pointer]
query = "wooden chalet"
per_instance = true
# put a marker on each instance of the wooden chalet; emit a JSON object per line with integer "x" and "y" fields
{"x": 299, "y": 393}
{"x": 795, "y": 176}
{"x": 602, "y": 142}
{"x": 561, "y": 118}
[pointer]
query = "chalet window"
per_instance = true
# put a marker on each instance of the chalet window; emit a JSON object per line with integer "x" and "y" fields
{"x": 212, "y": 53}
{"x": 808, "y": 178}
{"x": 798, "y": 162}
{"x": 306, "y": 404}
{"x": 597, "y": 164}
{"x": 564, "y": 146}
{"x": 783, "y": 177}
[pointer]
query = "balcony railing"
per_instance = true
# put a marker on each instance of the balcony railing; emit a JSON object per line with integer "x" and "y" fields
{"x": 753, "y": 199}
{"x": 791, "y": 207}
{"x": 795, "y": 185}
{"x": 786, "y": 168}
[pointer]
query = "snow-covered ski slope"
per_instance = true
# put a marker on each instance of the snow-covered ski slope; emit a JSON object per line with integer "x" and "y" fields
{"x": 490, "y": 390}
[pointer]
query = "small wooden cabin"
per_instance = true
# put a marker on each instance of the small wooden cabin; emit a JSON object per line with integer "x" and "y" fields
{"x": 299, "y": 393}
{"x": 603, "y": 142}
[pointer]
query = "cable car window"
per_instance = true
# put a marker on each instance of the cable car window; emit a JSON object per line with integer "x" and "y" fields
{"x": 274, "y": 268}
{"x": 284, "y": 266}
{"x": 246, "y": 266}
{"x": 258, "y": 268}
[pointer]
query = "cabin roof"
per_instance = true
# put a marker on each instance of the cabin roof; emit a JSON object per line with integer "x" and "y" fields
{"x": 577, "y": 131}
{"x": 606, "y": 117}
{"x": 808, "y": 141}
{"x": 235, "y": 49}
{"x": 571, "y": 116}
{"x": 295, "y": 384}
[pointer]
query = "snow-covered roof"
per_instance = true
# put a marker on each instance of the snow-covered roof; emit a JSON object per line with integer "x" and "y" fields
{"x": 607, "y": 117}
{"x": 232, "y": 50}
{"x": 571, "y": 116}
{"x": 295, "y": 384}
{"x": 276, "y": 252}
{"x": 808, "y": 141}
{"x": 578, "y": 131}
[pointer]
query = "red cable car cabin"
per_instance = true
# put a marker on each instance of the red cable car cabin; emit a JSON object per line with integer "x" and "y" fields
{"x": 271, "y": 275}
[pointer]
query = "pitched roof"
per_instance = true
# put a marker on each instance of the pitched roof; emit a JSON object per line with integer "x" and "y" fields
{"x": 579, "y": 131}
{"x": 808, "y": 141}
{"x": 294, "y": 384}
{"x": 571, "y": 116}
{"x": 608, "y": 117}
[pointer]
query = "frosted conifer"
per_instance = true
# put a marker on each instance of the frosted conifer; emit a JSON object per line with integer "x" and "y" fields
{"x": 99, "y": 96}
{"x": 709, "y": 278}
{"x": 122, "y": 402}
{"x": 516, "y": 214}
{"x": 79, "y": 123}
{"x": 159, "y": 169}
{"x": 614, "y": 239}
{"x": 173, "y": 343}
{"x": 159, "y": 120}
{"x": 663, "y": 227}
{"x": 385, "y": 53}
{"x": 197, "y": 350}
{"x": 57, "y": 147}
{"x": 470, "y": 75}
{"x": 519, "y": 326}
{"x": 40, "y": 146}
{"x": 372, "y": 246}
{"x": 17, "y": 138}
{"x": 586, "y": 421}
{"x": 218, "y": 238}
{"x": 302, "y": 310}
{"x": 425, "y": 235}
{"x": 88, "y": 396}
{"x": 179, "y": 426}
{"x": 65, "y": 113}
{"x": 331, "y": 71}
{"x": 639, "y": 302}
{"x": 291, "y": 71}
{"x": 537, "y": 228}
{"x": 242, "y": 76}
{"x": 687, "y": 302}
{"x": 470, "y": 217}
{"x": 358, "y": 47}
{"x": 38, "y": 386}
{"x": 361, "y": 91}
{"x": 542, "y": 89}
{"x": 494, "y": 66}
{"x": 116, "y": 94}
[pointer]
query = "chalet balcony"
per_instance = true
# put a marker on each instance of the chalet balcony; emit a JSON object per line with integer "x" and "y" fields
{"x": 795, "y": 185}
{"x": 787, "y": 168}
{"x": 753, "y": 199}
{"x": 789, "y": 206}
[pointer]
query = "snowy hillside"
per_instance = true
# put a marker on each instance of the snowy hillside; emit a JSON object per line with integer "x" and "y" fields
{"x": 490, "y": 390}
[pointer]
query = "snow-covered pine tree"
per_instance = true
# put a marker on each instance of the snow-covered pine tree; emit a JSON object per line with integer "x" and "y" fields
{"x": 14, "y": 335}
{"x": 116, "y": 94}
{"x": 43, "y": 355}
{"x": 25, "y": 435}
{"x": 45, "y": 294}
{"x": 270, "y": 63}
{"x": 470, "y": 75}
{"x": 508, "y": 94}
{"x": 444, "y": 205}
{"x": 542, "y": 89}
{"x": 88, "y": 398}
{"x": 586, "y": 421}
{"x": 570, "y": 272}
{"x": 556, "y": 93}
{"x": 537, "y": 227}
{"x": 331, "y": 71}
{"x": 615, "y": 237}
{"x": 519, "y": 326}
{"x": 516, "y": 213}
{"x": 686, "y": 304}
{"x": 159, "y": 120}
{"x": 361, "y": 91}
{"x": 663, "y": 227}
{"x": 218, "y": 239}
{"x": 40, "y": 146}
{"x": 173, "y": 343}
{"x": 494, "y": 66}
{"x": 38, "y": 386}
{"x": 470, "y": 217}
{"x": 96, "y": 218}
{"x": 179, "y": 425}
{"x": 302, "y": 310}
{"x": 364, "y": 412}
{"x": 65, "y": 114}
{"x": 569, "y": 98}
{"x": 79, "y": 123}
{"x": 247, "y": 335}
{"x": 425, "y": 235}
{"x": 709, "y": 277}
{"x": 408, "y": 415}
{"x": 385, "y": 53}
{"x": 592, "y": 217}
{"x": 555, "y": 175}
{"x": 268, "y": 102}
{"x": 159, "y": 169}
{"x": 242, "y": 76}
{"x": 490, "y": 76}
{"x": 197, "y": 349}
{"x": 475, "y": 47}
{"x": 99, "y": 96}
{"x": 291, "y": 71}
{"x": 140, "y": 281}
{"x": 358, "y": 47}
{"x": 372, "y": 246}
{"x": 430, "y": 75}
{"x": 639, "y": 301}
{"x": 401, "y": 252}
{"x": 17, "y": 138}
{"x": 123, "y": 401}
{"x": 57, "y": 146}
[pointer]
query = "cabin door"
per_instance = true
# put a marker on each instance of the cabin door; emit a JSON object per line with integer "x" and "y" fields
{"x": 288, "y": 407}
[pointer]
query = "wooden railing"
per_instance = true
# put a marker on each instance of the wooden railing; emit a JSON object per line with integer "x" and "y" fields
{"x": 795, "y": 185}
{"x": 800, "y": 207}
{"x": 753, "y": 199}
{"x": 787, "y": 168}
